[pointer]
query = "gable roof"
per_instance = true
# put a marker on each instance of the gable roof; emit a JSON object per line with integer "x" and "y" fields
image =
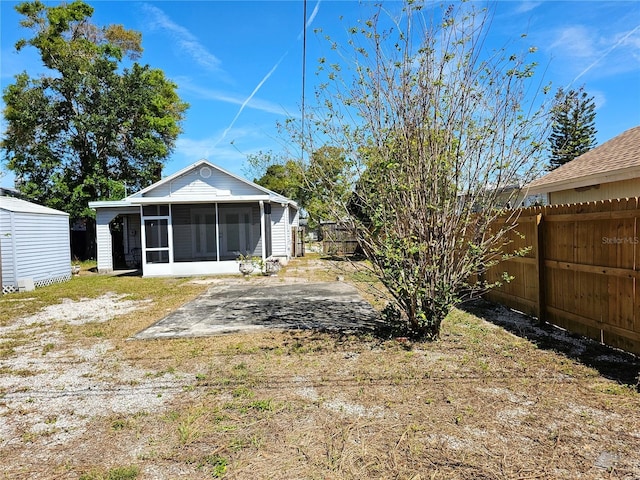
{"x": 12, "y": 204}
{"x": 263, "y": 193}
{"x": 163, "y": 191}
{"x": 614, "y": 160}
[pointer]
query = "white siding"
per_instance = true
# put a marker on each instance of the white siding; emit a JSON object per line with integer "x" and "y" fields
{"x": 6, "y": 249}
{"x": 103, "y": 239}
{"x": 294, "y": 215}
{"x": 36, "y": 246}
{"x": 192, "y": 184}
{"x": 103, "y": 235}
{"x": 279, "y": 231}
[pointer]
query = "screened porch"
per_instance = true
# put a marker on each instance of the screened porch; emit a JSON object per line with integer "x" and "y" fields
{"x": 208, "y": 232}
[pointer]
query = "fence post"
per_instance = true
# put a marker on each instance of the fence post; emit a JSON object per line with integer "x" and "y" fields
{"x": 539, "y": 239}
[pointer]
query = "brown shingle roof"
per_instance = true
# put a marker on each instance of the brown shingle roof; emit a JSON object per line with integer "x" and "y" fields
{"x": 618, "y": 154}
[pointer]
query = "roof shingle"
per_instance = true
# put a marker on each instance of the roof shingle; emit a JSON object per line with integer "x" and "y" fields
{"x": 619, "y": 153}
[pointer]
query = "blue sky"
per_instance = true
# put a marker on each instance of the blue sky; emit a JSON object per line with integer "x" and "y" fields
{"x": 239, "y": 63}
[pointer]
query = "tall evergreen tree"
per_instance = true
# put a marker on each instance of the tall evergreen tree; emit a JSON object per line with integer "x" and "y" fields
{"x": 573, "y": 126}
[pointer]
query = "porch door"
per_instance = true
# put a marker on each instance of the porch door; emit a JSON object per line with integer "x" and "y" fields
{"x": 156, "y": 240}
{"x": 236, "y": 232}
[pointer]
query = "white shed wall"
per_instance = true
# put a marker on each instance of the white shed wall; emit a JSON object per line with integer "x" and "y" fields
{"x": 35, "y": 246}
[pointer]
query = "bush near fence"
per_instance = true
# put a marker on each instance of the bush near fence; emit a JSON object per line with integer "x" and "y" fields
{"x": 581, "y": 272}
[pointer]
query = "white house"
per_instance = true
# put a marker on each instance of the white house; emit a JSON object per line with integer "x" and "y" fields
{"x": 34, "y": 245}
{"x": 194, "y": 222}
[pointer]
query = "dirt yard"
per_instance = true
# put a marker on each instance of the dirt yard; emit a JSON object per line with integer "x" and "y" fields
{"x": 494, "y": 398}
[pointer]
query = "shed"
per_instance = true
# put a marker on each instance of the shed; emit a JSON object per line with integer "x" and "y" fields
{"x": 34, "y": 245}
{"x": 611, "y": 170}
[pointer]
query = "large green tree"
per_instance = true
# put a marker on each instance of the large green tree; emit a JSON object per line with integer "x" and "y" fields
{"x": 88, "y": 125}
{"x": 314, "y": 183}
{"x": 573, "y": 130}
{"x": 283, "y": 178}
{"x": 438, "y": 133}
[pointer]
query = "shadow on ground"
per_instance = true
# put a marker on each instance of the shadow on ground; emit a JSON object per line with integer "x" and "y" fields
{"x": 330, "y": 306}
{"x": 611, "y": 363}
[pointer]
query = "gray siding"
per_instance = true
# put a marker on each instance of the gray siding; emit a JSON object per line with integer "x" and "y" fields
{"x": 35, "y": 246}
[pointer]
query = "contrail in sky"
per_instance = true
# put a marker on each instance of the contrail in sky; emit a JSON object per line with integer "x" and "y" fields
{"x": 266, "y": 77}
{"x": 605, "y": 54}
{"x": 255, "y": 90}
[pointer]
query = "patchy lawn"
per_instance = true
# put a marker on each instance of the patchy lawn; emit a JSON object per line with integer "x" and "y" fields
{"x": 494, "y": 398}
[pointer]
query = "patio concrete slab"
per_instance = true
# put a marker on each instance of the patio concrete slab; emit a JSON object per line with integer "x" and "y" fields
{"x": 332, "y": 306}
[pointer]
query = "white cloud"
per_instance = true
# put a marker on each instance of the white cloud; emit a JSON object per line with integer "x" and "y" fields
{"x": 574, "y": 41}
{"x": 525, "y": 7}
{"x": 595, "y": 51}
{"x": 184, "y": 38}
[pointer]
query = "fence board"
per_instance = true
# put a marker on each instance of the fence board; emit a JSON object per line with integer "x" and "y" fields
{"x": 581, "y": 272}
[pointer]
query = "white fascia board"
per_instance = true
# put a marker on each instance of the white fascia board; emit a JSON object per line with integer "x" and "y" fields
{"x": 585, "y": 181}
{"x": 218, "y": 199}
{"x": 110, "y": 204}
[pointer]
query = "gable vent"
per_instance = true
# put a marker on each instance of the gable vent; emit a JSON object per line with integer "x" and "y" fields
{"x": 205, "y": 172}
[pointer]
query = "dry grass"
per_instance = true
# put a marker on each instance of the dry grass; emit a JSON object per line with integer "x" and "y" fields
{"x": 481, "y": 403}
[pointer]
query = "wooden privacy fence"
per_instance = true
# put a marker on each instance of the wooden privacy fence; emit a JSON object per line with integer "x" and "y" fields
{"x": 338, "y": 239}
{"x": 297, "y": 241}
{"x": 581, "y": 272}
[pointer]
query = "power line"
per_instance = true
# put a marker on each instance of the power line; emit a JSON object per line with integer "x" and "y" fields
{"x": 304, "y": 74}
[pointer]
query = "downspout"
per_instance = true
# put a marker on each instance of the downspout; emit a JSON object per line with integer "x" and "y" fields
{"x": 262, "y": 232}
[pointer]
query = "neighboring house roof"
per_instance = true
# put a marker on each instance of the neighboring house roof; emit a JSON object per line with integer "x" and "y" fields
{"x": 161, "y": 191}
{"x": 614, "y": 160}
{"x": 12, "y": 204}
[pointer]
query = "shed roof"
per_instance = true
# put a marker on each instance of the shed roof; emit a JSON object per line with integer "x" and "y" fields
{"x": 616, "y": 159}
{"x": 12, "y": 204}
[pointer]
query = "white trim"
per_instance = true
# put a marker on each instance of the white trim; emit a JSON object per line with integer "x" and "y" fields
{"x": 223, "y": 267}
{"x": 170, "y": 234}
{"x": 584, "y": 181}
{"x": 199, "y": 199}
{"x": 140, "y": 194}
{"x": 14, "y": 252}
{"x": 217, "y": 234}
{"x": 287, "y": 231}
{"x": 263, "y": 243}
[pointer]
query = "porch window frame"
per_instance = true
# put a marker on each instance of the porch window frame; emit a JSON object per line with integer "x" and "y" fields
{"x": 143, "y": 233}
{"x": 201, "y": 211}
